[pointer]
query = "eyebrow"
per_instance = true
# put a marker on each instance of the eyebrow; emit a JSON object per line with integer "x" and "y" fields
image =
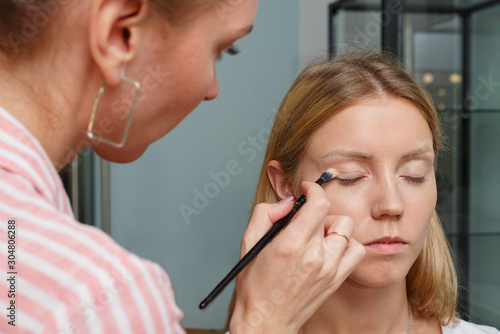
{"x": 348, "y": 154}
{"x": 366, "y": 156}
{"x": 417, "y": 152}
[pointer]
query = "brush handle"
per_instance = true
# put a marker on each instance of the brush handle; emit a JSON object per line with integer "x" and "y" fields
{"x": 259, "y": 246}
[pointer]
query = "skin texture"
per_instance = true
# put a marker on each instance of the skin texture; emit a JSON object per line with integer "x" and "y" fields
{"x": 383, "y": 151}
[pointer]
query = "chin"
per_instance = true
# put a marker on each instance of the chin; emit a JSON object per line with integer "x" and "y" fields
{"x": 378, "y": 276}
{"x": 375, "y": 282}
{"x": 118, "y": 155}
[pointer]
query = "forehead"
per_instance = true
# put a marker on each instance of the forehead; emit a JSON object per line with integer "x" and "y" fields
{"x": 377, "y": 127}
{"x": 230, "y": 12}
{"x": 221, "y": 21}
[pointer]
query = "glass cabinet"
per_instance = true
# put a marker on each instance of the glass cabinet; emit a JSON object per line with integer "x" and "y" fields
{"x": 452, "y": 48}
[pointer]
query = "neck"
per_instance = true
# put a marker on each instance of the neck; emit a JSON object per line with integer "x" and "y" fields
{"x": 49, "y": 101}
{"x": 357, "y": 309}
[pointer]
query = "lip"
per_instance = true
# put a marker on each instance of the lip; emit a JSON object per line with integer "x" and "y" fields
{"x": 387, "y": 245}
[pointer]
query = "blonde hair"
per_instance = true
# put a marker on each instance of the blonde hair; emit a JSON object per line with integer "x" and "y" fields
{"x": 323, "y": 89}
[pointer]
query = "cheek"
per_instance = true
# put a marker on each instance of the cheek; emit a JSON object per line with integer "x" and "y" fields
{"x": 201, "y": 68}
{"x": 422, "y": 210}
{"x": 353, "y": 203}
{"x": 348, "y": 201}
{"x": 191, "y": 83}
{"x": 191, "y": 75}
{"x": 187, "y": 90}
{"x": 420, "y": 203}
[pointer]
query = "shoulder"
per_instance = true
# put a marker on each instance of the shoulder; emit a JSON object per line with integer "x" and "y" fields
{"x": 124, "y": 288}
{"x": 76, "y": 277}
{"x": 464, "y": 327}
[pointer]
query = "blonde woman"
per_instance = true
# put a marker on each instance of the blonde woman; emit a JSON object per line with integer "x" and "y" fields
{"x": 73, "y": 75}
{"x": 363, "y": 115}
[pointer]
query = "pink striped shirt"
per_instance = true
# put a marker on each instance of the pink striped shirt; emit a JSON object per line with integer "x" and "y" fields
{"x": 66, "y": 277}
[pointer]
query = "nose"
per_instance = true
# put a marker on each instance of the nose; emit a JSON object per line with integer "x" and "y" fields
{"x": 213, "y": 91}
{"x": 388, "y": 202}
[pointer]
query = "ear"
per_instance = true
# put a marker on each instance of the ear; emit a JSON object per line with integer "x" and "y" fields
{"x": 281, "y": 185}
{"x": 114, "y": 35}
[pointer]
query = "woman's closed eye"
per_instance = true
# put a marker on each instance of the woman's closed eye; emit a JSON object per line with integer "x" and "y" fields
{"x": 413, "y": 179}
{"x": 348, "y": 181}
{"x": 353, "y": 180}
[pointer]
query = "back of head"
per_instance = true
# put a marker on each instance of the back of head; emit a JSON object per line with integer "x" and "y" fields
{"x": 24, "y": 24}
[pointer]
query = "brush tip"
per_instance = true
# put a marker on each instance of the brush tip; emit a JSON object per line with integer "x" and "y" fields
{"x": 329, "y": 174}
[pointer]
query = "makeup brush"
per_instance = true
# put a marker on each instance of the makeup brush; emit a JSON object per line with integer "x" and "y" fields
{"x": 259, "y": 246}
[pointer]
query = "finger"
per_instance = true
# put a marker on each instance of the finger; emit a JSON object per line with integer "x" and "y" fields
{"x": 349, "y": 261}
{"x": 309, "y": 220}
{"x": 353, "y": 255}
{"x": 335, "y": 245}
{"x": 338, "y": 231}
{"x": 263, "y": 217}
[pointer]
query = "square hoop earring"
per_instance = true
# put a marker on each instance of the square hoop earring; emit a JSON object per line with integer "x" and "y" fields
{"x": 101, "y": 92}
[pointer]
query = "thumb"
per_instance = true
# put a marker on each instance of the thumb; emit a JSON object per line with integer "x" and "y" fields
{"x": 280, "y": 209}
{"x": 264, "y": 215}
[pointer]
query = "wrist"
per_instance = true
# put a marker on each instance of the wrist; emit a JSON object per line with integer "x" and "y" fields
{"x": 255, "y": 322}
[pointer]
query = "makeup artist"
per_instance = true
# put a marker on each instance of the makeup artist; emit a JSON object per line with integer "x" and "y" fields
{"x": 66, "y": 67}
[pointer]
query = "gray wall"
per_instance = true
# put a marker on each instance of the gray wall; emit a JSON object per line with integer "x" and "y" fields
{"x": 313, "y": 29}
{"x": 225, "y": 137}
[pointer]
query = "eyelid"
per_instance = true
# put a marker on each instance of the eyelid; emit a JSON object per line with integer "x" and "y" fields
{"x": 425, "y": 161}
{"x": 416, "y": 168}
{"x": 348, "y": 173}
{"x": 343, "y": 180}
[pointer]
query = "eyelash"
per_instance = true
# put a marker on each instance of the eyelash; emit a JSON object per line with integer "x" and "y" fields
{"x": 348, "y": 182}
{"x": 232, "y": 51}
{"x": 415, "y": 179}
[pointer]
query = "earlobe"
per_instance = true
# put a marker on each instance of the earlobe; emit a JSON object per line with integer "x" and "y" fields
{"x": 114, "y": 34}
{"x": 280, "y": 183}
